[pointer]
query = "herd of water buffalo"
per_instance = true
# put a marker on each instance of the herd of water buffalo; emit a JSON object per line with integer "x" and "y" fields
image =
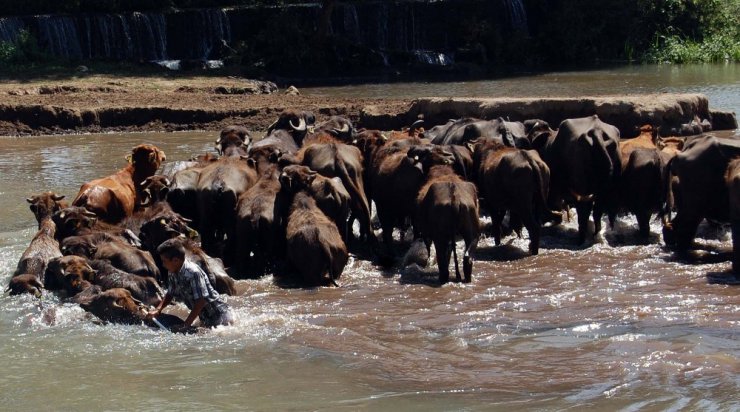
{"x": 286, "y": 204}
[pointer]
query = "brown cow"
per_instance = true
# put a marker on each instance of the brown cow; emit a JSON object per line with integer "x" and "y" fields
{"x": 25, "y": 283}
{"x": 113, "y": 305}
{"x": 42, "y": 249}
{"x": 447, "y": 207}
{"x": 114, "y": 197}
{"x": 58, "y": 268}
{"x": 107, "y": 277}
{"x": 120, "y": 254}
{"x": 45, "y": 205}
{"x": 314, "y": 246}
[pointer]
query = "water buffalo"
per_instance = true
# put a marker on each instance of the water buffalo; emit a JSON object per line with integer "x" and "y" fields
{"x": 219, "y": 186}
{"x": 346, "y": 163}
{"x": 162, "y": 228}
{"x": 183, "y": 193}
{"x": 260, "y": 234}
{"x": 585, "y": 164}
{"x": 447, "y": 207}
{"x": 516, "y": 181}
{"x": 233, "y": 136}
{"x": 732, "y": 180}
{"x": 114, "y": 197}
{"x": 287, "y": 132}
{"x": 330, "y": 195}
{"x": 703, "y": 185}
{"x": 314, "y": 245}
{"x": 121, "y": 255}
{"x": 460, "y": 131}
{"x": 106, "y": 276}
{"x": 398, "y": 178}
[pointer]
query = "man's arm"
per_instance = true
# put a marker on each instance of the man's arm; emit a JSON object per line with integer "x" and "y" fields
{"x": 165, "y": 301}
{"x": 195, "y": 312}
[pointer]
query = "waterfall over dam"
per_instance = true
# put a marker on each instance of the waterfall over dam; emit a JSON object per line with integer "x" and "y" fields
{"x": 428, "y": 31}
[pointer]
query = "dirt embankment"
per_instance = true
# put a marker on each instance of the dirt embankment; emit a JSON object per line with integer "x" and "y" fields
{"x": 98, "y": 103}
{"x": 102, "y": 103}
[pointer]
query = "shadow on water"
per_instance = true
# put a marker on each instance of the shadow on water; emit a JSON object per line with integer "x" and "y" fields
{"x": 726, "y": 277}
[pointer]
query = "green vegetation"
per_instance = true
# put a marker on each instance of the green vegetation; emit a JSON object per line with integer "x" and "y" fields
{"x": 24, "y": 51}
{"x": 695, "y": 31}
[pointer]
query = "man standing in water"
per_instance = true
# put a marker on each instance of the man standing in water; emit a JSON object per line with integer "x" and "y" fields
{"x": 189, "y": 284}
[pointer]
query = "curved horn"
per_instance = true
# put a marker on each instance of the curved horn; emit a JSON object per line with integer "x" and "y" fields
{"x": 167, "y": 182}
{"x": 57, "y": 198}
{"x": 147, "y": 198}
{"x": 344, "y": 129}
{"x": 89, "y": 213}
{"x": 271, "y": 127}
{"x": 301, "y": 125}
{"x": 415, "y": 125}
{"x": 29, "y": 199}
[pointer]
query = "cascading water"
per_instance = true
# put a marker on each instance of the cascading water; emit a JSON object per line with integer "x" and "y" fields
{"x": 517, "y": 15}
{"x": 10, "y": 28}
{"x": 58, "y": 34}
{"x": 137, "y": 36}
{"x": 210, "y": 30}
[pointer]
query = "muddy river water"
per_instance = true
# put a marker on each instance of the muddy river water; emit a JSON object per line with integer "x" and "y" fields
{"x": 614, "y": 325}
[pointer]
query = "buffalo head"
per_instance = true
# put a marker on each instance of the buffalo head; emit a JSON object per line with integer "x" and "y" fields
{"x": 233, "y": 139}
{"x": 58, "y": 269}
{"x": 154, "y": 189}
{"x": 70, "y": 220}
{"x": 295, "y": 178}
{"x": 426, "y": 156}
{"x": 164, "y": 227}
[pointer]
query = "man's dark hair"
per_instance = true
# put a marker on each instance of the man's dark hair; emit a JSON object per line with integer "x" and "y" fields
{"x": 172, "y": 248}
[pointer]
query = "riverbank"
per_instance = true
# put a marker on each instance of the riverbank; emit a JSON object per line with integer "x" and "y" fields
{"x": 94, "y": 103}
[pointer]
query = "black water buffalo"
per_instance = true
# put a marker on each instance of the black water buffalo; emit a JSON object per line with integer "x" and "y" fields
{"x": 183, "y": 193}
{"x": 314, "y": 245}
{"x": 701, "y": 170}
{"x": 330, "y": 195}
{"x": 732, "y": 180}
{"x": 162, "y": 228}
{"x": 339, "y": 127}
{"x": 447, "y": 207}
{"x": 585, "y": 164}
{"x": 643, "y": 187}
{"x": 460, "y": 131}
{"x": 233, "y": 136}
{"x": 287, "y": 132}
{"x": 396, "y": 182}
{"x": 346, "y": 163}
{"x": 219, "y": 186}
{"x": 516, "y": 181}
{"x": 260, "y": 233}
